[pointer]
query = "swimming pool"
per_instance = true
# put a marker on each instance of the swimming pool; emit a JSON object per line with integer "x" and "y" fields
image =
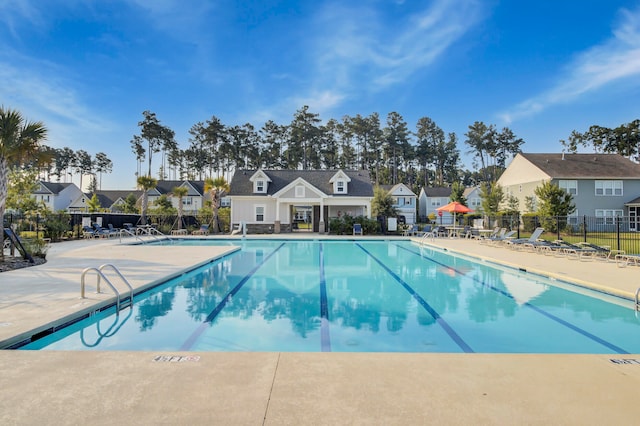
{"x": 357, "y": 296}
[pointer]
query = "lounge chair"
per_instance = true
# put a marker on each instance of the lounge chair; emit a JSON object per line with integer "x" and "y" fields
{"x": 520, "y": 243}
{"x": 497, "y": 234}
{"x": 505, "y": 238}
{"x": 412, "y": 230}
{"x": 357, "y": 229}
{"x": 425, "y": 230}
{"x": 204, "y": 230}
{"x": 623, "y": 260}
{"x": 604, "y": 252}
{"x": 101, "y": 232}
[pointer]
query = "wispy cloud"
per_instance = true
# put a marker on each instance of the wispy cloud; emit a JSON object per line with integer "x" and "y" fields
{"x": 616, "y": 59}
{"x": 361, "y": 49}
{"x": 37, "y": 89}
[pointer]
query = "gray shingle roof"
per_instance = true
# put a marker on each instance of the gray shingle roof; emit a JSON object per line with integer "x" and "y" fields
{"x": 108, "y": 197}
{"x": 360, "y": 185}
{"x": 54, "y": 187}
{"x": 437, "y": 192}
{"x": 585, "y": 166}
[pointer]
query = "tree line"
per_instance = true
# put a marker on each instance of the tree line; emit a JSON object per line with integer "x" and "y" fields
{"x": 391, "y": 152}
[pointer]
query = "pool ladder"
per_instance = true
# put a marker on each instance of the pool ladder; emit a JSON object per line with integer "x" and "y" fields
{"x": 101, "y": 276}
{"x": 637, "y": 305}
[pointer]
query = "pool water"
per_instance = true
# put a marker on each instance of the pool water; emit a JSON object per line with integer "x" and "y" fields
{"x": 357, "y": 296}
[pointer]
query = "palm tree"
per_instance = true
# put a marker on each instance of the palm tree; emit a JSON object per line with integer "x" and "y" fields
{"x": 217, "y": 188}
{"x": 180, "y": 192}
{"x": 19, "y": 145}
{"x": 145, "y": 183}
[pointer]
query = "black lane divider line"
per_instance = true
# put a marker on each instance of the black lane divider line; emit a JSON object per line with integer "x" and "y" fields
{"x": 541, "y": 311}
{"x": 188, "y": 344}
{"x": 436, "y": 316}
{"x": 325, "y": 336}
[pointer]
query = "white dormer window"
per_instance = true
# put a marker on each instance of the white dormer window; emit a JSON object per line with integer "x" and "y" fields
{"x": 340, "y": 181}
{"x": 260, "y": 182}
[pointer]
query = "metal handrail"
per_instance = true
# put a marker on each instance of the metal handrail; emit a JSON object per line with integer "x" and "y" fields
{"x": 637, "y": 306}
{"x": 126, "y": 231}
{"x": 100, "y": 274}
{"x": 109, "y": 265}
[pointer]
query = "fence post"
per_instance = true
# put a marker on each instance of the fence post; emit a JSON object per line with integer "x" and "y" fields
{"x": 557, "y": 227}
{"x": 584, "y": 228}
{"x": 618, "y": 232}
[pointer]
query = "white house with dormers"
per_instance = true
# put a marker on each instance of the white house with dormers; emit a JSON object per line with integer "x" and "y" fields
{"x": 404, "y": 200}
{"x": 56, "y": 196}
{"x": 277, "y": 200}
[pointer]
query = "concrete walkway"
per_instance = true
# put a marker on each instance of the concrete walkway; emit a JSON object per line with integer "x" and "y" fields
{"x": 45, "y": 387}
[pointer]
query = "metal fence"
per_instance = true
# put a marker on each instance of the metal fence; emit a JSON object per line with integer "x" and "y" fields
{"x": 61, "y": 226}
{"x": 618, "y": 233}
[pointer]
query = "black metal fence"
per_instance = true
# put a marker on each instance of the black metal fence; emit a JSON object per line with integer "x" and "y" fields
{"x": 616, "y": 232}
{"x": 60, "y": 226}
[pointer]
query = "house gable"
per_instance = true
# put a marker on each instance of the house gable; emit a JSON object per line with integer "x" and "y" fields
{"x": 299, "y": 188}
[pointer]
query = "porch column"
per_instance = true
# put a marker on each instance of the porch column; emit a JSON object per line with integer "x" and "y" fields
{"x": 368, "y": 207}
{"x": 276, "y": 223}
{"x": 321, "y": 221}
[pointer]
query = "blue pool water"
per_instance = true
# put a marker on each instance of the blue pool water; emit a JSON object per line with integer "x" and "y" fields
{"x": 357, "y": 296}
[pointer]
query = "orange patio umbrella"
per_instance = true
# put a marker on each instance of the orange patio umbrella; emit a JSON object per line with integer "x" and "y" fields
{"x": 455, "y": 207}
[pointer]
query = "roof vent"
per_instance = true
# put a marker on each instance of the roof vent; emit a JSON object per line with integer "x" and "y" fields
{"x": 562, "y": 155}
{"x": 595, "y": 158}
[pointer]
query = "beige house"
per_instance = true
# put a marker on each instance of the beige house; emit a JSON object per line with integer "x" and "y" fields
{"x": 282, "y": 200}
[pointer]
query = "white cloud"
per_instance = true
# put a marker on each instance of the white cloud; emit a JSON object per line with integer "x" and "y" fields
{"x": 616, "y": 59}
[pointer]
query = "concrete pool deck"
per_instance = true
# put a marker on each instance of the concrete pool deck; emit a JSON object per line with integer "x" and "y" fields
{"x": 102, "y": 387}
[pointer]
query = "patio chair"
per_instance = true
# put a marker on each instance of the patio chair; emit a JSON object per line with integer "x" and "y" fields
{"x": 623, "y": 260}
{"x": 100, "y": 231}
{"x": 357, "y": 229}
{"x": 604, "y": 252}
{"x": 502, "y": 239}
{"x": 88, "y": 232}
{"x": 412, "y": 230}
{"x": 519, "y": 243}
{"x": 425, "y": 230}
{"x": 497, "y": 234}
{"x": 204, "y": 230}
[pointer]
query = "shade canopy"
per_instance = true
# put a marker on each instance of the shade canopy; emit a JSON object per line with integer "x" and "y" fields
{"x": 455, "y": 207}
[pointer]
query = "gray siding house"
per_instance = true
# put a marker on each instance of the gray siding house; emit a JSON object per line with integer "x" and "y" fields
{"x": 602, "y": 185}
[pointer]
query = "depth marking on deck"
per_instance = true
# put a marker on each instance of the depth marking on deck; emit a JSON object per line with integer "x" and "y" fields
{"x": 188, "y": 344}
{"x": 436, "y": 316}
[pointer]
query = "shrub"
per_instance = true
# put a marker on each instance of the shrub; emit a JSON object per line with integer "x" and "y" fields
{"x": 36, "y": 247}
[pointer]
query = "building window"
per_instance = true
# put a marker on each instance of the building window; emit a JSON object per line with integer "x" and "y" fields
{"x": 570, "y": 186}
{"x": 299, "y": 191}
{"x": 609, "y": 187}
{"x": 259, "y": 186}
{"x": 259, "y": 213}
{"x": 187, "y": 201}
{"x": 340, "y": 186}
{"x": 607, "y": 216}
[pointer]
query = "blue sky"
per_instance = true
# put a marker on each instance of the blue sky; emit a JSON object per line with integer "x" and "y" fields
{"x": 88, "y": 69}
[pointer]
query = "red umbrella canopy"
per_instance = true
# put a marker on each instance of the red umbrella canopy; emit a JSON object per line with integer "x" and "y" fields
{"x": 455, "y": 207}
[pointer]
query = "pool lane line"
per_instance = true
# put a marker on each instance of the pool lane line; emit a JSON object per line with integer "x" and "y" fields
{"x": 188, "y": 344}
{"x": 541, "y": 311}
{"x": 325, "y": 336}
{"x": 436, "y": 316}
